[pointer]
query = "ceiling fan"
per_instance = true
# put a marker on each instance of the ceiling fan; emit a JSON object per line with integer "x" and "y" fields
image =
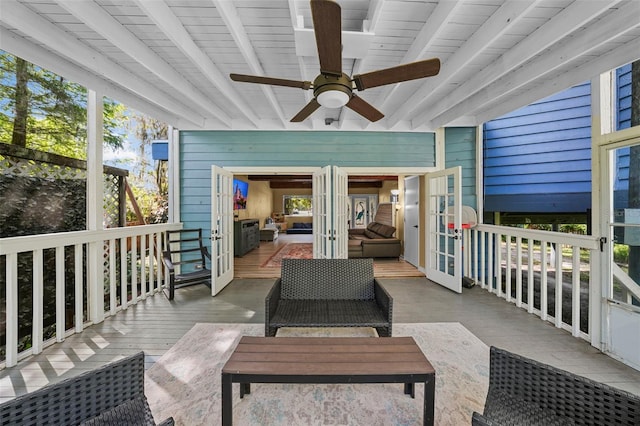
{"x": 332, "y": 88}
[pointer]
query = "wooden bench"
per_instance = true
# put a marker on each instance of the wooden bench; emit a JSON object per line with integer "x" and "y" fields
{"x": 327, "y": 360}
{"x": 328, "y": 293}
{"x": 186, "y": 253}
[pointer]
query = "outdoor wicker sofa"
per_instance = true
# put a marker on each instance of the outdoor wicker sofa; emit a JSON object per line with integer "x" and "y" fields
{"x": 328, "y": 293}
{"x": 526, "y": 392}
{"x": 110, "y": 395}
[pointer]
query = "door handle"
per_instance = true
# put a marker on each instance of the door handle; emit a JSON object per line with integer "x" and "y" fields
{"x": 415, "y": 226}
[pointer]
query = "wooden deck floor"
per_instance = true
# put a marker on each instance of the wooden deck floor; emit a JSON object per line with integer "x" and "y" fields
{"x": 156, "y": 324}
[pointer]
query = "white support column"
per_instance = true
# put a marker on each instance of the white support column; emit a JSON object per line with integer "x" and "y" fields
{"x": 174, "y": 175}
{"x": 601, "y": 123}
{"x": 95, "y": 195}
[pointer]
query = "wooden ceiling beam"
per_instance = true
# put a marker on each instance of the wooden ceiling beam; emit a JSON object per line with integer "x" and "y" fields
{"x": 104, "y": 24}
{"x": 229, "y": 15}
{"x": 18, "y": 16}
{"x": 559, "y": 27}
{"x": 501, "y": 22}
{"x": 167, "y": 22}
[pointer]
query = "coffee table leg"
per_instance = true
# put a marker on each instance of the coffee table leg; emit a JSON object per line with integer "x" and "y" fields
{"x": 227, "y": 400}
{"x": 410, "y": 389}
{"x": 429, "y": 400}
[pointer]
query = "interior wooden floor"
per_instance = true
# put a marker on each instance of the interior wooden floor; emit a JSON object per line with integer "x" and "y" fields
{"x": 156, "y": 324}
{"x": 251, "y": 264}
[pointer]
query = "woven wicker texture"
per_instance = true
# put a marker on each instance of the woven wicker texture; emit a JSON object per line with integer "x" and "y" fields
{"x": 327, "y": 279}
{"x": 328, "y": 293}
{"x": 80, "y": 398}
{"x": 581, "y": 400}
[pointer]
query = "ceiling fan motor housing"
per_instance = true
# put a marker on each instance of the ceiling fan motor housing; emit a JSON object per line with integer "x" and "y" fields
{"x": 330, "y": 84}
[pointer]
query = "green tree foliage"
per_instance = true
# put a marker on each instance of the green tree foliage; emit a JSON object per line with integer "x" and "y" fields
{"x": 43, "y": 111}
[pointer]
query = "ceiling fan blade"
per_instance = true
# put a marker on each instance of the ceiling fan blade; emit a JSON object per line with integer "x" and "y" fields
{"x": 364, "y": 108}
{"x": 405, "y": 72}
{"x": 327, "y": 26}
{"x": 306, "y": 111}
{"x": 306, "y": 85}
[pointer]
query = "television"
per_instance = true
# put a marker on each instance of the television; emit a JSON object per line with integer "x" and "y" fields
{"x": 240, "y": 192}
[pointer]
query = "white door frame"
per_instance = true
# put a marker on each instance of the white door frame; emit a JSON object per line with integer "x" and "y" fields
{"x": 411, "y": 200}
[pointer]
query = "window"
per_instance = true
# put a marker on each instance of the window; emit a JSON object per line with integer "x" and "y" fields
{"x": 300, "y": 205}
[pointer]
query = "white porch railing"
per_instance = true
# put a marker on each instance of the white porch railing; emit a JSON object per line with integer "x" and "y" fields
{"x": 97, "y": 273}
{"x": 506, "y": 260}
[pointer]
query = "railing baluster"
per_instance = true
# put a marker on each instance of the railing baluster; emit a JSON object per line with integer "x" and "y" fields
{"x": 575, "y": 292}
{"x": 530, "y": 280}
{"x": 507, "y": 270}
{"x": 143, "y": 266}
{"x": 519, "y": 272}
{"x": 113, "y": 285}
{"x": 60, "y": 302}
{"x": 498, "y": 273}
{"x": 134, "y": 270}
{"x": 558, "y": 287}
{"x": 38, "y": 301}
{"x": 12, "y": 309}
{"x": 491, "y": 263}
{"x": 152, "y": 263}
{"x": 483, "y": 265}
{"x": 543, "y": 281}
{"x": 79, "y": 312}
{"x": 123, "y": 274}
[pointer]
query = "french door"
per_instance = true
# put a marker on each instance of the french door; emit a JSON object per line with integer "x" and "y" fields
{"x": 330, "y": 213}
{"x": 443, "y": 237}
{"x": 221, "y": 229}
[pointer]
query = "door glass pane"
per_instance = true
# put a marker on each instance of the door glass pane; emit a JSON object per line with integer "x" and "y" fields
{"x": 626, "y": 228}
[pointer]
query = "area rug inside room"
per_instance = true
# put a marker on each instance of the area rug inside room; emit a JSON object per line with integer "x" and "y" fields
{"x": 289, "y": 250}
{"x": 185, "y": 382}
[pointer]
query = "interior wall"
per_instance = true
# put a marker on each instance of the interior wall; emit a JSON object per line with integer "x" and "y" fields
{"x": 259, "y": 201}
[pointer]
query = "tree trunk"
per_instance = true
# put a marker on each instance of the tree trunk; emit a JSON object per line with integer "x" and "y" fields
{"x": 19, "y": 136}
{"x": 634, "y": 168}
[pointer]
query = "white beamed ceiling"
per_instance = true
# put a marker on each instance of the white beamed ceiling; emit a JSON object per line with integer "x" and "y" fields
{"x": 172, "y": 58}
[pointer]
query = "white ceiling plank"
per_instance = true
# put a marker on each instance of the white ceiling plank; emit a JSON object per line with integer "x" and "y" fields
{"x": 20, "y": 17}
{"x": 234, "y": 25}
{"x": 308, "y": 95}
{"x": 623, "y": 55}
{"x": 506, "y": 17}
{"x": 560, "y": 26}
{"x": 164, "y": 18}
{"x": 608, "y": 28}
{"x": 102, "y": 23}
{"x": 18, "y": 46}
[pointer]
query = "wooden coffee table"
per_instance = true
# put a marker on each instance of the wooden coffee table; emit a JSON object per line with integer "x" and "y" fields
{"x": 327, "y": 360}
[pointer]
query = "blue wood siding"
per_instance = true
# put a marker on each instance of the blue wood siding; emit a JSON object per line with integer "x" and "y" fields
{"x": 623, "y": 120}
{"x": 623, "y": 97}
{"x": 538, "y": 159}
{"x": 199, "y": 150}
{"x": 460, "y": 150}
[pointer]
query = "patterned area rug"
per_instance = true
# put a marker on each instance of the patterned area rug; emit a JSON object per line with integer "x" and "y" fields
{"x": 290, "y": 250}
{"x": 185, "y": 382}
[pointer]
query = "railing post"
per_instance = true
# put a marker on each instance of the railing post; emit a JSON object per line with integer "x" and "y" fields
{"x": 95, "y": 281}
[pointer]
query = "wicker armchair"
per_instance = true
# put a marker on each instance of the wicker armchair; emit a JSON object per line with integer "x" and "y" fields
{"x": 328, "y": 293}
{"x": 526, "y": 392}
{"x": 109, "y": 395}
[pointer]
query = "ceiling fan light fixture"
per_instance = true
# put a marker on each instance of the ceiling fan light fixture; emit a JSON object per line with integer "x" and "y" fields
{"x": 333, "y": 99}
